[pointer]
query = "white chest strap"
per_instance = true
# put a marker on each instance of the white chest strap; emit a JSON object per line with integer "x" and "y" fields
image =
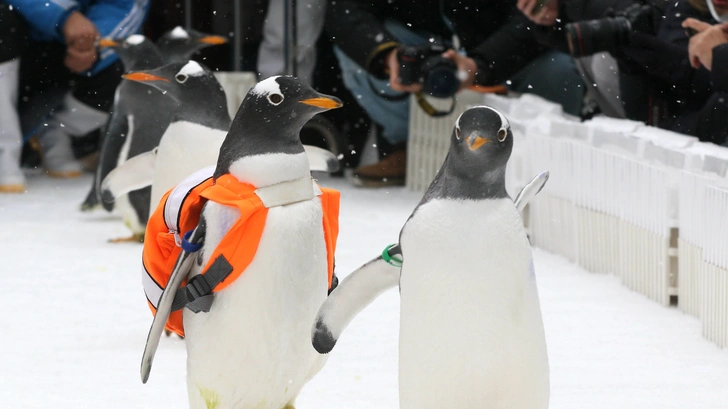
{"x": 280, "y": 194}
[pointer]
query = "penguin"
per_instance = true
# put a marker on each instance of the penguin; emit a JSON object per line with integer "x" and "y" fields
{"x": 471, "y": 331}
{"x": 178, "y": 44}
{"x": 252, "y": 348}
{"x": 136, "y": 52}
{"x": 192, "y": 140}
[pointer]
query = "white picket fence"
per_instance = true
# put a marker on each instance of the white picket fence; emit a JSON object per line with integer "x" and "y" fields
{"x": 647, "y": 205}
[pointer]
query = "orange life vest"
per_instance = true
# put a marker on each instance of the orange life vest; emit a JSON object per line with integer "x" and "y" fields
{"x": 179, "y": 212}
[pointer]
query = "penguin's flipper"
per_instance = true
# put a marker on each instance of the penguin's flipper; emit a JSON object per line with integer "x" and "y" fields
{"x": 320, "y": 159}
{"x": 164, "y": 307}
{"x": 531, "y": 190}
{"x": 116, "y": 134}
{"x": 353, "y": 294}
{"x": 136, "y": 173}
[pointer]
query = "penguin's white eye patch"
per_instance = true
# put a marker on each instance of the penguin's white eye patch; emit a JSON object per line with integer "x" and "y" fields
{"x": 502, "y": 135}
{"x": 275, "y": 99}
{"x": 457, "y": 132}
{"x": 181, "y": 78}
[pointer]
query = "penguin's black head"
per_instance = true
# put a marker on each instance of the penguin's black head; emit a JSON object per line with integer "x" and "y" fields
{"x": 134, "y": 51}
{"x": 286, "y": 101}
{"x": 193, "y": 89}
{"x": 481, "y": 141}
{"x": 182, "y": 81}
{"x": 179, "y": 45}
{"x": 270, "y": 119}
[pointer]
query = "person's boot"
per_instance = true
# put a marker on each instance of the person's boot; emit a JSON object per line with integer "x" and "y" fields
{"x": 389, "y": 171}
{"x": 74, "y": 118}
{"x": 12, "y": 179}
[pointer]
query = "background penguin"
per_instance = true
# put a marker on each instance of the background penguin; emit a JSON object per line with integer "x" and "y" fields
{"x": 136, "y": 53}
{"x": 199, "y": 125}
{"x": 471, "y": 333}
{"x": 178, "y": 44}
{"x": 253, "y": 348}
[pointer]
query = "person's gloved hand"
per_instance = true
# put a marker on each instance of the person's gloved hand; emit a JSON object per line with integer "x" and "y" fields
{"x": 80, "y": 35}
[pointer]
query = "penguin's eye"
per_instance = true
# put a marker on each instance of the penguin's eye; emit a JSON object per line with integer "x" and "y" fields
{"x": 502, "y": 134}
{"x": 457, "y": 132}
{"x": 275, "y": 99}
{"x": 181, "y": 78}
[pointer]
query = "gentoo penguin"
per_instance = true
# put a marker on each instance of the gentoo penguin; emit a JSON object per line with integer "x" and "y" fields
{"x": 253, "y": 348}
{"x": 136, "y": 53}
{"x": 200, "y": 121}
{"x": 471, "y": 332}
{"x": 178, "y": 44}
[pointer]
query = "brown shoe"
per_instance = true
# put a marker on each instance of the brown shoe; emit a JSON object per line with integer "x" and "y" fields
{"x": 389, "y": 171}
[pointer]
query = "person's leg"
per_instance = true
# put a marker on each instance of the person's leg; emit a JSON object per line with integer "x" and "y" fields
{"x": 552, "y": 76}
{"x": 12, "y": 179}
{"x": 310, "y": 21}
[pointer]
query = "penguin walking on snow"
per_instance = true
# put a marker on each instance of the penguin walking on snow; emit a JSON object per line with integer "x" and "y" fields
{"x": 252, "y": 347}
{"x": 133, "y": 110}
{"x": 471, "y": 332}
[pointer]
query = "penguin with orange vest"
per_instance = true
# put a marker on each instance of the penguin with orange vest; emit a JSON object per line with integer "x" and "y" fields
{"x": 253, "y": 266}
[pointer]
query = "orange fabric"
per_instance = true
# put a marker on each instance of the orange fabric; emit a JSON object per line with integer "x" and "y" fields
{"x": 239, "y": 245}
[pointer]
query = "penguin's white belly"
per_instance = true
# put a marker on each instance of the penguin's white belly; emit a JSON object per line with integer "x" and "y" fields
{"x": 184, "y": 148}
{"x": 471, "y": 333}
{"x": 253, "y": 349}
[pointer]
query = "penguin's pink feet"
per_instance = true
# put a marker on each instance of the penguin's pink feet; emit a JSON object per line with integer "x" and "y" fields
{"x": 134, "y": 238}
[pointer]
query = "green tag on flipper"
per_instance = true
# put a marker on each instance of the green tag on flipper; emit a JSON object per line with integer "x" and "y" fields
{"x": 392, "y": 261}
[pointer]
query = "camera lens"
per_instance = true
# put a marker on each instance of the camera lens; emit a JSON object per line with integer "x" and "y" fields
{"x": 594, "y": 36}
{"x": 441, "y": 80}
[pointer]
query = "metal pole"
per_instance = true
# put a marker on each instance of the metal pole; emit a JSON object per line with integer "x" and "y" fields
{"x": 188, "y": 14}
{"x": 238, "y": 39}
{"x": 290, "y": 40}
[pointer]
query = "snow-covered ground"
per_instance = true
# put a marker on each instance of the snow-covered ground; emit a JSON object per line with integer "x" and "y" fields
{"x": 74, "y": 321}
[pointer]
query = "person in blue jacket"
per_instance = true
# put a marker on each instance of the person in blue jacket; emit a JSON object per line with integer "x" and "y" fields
{"x": 53, "y": 55}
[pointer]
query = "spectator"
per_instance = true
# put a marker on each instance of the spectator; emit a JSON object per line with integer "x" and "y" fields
{"x": 499, "y": 46}
{"x": 600, "y": 70}
{"x": 58, "y": 39}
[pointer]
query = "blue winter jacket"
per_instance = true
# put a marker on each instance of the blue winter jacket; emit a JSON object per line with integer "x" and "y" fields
{"x": 113, "y": 19}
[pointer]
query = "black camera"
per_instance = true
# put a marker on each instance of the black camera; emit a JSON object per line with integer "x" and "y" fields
{"x": 425, "y": 65}
{"x": 610, "y": 33}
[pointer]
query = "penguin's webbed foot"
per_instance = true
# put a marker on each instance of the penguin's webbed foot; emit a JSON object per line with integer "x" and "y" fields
{"x": 134, "y": 238}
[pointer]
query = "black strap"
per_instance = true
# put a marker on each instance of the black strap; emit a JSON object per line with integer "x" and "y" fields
{"x": 197, "y": 294}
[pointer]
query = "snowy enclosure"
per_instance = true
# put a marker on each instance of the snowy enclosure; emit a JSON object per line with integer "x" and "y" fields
{"x": 647, "y": 205}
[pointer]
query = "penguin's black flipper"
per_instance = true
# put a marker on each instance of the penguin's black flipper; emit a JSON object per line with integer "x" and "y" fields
{"x": 116, "y": 135}
{"x": 164, "y": 307}
{"x": 531, "y": 190}
{"x": 353, "y": 294}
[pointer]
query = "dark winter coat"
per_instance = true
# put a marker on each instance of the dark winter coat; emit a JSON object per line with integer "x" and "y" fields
{"x": 494, "y": 33}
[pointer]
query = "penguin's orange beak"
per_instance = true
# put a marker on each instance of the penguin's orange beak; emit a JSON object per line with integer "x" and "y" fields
{"x": 107, "y": 42}
{"x": 213, "y": 40}
{"x": 142, "y": 76}
{"x": 475, "y": 143}
{"x": 323, "y": 102}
